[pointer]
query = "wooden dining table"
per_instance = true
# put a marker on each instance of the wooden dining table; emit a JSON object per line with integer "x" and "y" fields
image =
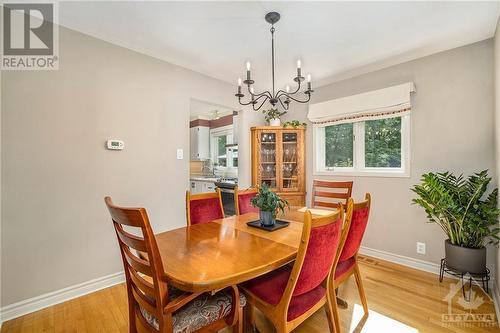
{"x": 214, "y": 255}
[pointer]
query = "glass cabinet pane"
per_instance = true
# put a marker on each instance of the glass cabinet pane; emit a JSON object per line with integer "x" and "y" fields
{"x": 268, "y": 158}
{"x": 289, "y": 167}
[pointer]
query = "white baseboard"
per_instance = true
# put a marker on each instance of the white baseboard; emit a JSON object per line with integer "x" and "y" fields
{"x": 37, "y": 303}
{"x": 401, "y": 260}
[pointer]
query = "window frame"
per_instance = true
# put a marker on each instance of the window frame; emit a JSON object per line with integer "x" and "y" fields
{"x": 359, "y": 168}
{"x": 230, "y": 154}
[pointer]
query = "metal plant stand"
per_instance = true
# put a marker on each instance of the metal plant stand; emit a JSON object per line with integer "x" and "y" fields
{"x": 484, "y": 277}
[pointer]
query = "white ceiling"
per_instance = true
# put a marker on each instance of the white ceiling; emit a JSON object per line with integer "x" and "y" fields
{"x": 204, "y": 110}
{"x": 333, "y": 39}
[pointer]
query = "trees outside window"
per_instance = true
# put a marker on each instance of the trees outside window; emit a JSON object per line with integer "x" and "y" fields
{"x": 369, "y": 147}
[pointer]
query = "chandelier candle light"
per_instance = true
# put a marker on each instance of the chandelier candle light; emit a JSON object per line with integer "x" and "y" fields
{"x": 284, "y": 97}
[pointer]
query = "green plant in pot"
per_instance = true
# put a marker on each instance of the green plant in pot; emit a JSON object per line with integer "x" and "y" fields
{"x": 273, "y": 116}
{"x": 269, "y": 204}
{"x": 467, "y": 215}
{"x": 293, "y": 124}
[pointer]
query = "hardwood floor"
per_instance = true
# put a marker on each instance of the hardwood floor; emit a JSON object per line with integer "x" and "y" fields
{"x": 401, "y": 300}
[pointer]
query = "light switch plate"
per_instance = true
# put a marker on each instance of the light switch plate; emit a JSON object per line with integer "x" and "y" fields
{"x": 180, "y": 154}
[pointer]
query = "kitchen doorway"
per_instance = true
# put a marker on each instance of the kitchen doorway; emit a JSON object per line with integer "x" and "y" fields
{"x": 213, "y": 150}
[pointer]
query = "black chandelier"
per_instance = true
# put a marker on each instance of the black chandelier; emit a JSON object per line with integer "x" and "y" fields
{"x": 257, "y": 100}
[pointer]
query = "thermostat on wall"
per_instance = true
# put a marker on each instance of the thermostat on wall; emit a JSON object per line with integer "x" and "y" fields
{"x": 115, "y": 144}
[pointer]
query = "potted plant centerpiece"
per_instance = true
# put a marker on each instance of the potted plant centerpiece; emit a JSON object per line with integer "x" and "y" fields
{"x": 272, "y": 116}
{"x": 269, "y": 204}
{"x": 468, "y": 216}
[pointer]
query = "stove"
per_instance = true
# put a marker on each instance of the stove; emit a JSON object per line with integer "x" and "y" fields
{"x": 227, "y": 183}
{"x": 227, "y": 186}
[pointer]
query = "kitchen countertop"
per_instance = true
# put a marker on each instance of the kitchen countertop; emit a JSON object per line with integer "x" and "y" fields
{"x": 204, "y": 179}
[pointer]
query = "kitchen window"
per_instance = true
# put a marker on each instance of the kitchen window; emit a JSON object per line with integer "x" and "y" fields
{"x": 224, "y": 156}
{"x": 221, "y": 153}
{"x": 379, "y": 147}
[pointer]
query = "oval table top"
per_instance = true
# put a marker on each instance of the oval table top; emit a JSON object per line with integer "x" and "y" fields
{"x": 211, "y": 256}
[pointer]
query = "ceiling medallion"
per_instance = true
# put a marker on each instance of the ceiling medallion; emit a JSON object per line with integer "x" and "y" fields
{"x": 284, "y": 97}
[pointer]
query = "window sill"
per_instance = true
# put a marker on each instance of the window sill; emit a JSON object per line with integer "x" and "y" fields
{"x": 367, "y": 173}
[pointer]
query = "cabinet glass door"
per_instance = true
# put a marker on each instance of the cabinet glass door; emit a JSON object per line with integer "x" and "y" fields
{"x": 289, "y": 166}
{"x": 267, "y": 157}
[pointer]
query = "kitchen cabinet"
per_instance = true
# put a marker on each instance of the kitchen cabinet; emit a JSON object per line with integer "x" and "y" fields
{"x": 201, "y": 186}
{"x": 278, "y": 160}
{"x": 199, "y": 143}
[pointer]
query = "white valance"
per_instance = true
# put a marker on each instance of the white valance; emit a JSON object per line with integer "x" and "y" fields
{"x": 377, "y": 104}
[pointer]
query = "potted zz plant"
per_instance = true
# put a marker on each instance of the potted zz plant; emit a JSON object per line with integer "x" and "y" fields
{"x": 468, "y": 217}
{"x": 272, "y": 116}
{"x": 269, "y": 204}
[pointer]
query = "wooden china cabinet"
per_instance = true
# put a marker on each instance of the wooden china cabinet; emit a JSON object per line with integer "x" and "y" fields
{"x": 278, "y": 159}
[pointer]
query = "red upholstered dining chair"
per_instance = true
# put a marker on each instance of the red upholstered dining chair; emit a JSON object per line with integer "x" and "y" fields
{"x": 155, "y": 306}
{"x": 333, "y": 192}
{"x": 347, "y": 265}
{"x": 203, "y": 207}
{"x": 242, "y": 199}
{"x": 291, "y": 294}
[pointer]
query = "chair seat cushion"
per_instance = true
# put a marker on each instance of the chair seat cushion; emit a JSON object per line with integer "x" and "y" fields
{"x": 270, "y": 287}
{"x": 198, "y": 313}
{"x": 343, "y": 267}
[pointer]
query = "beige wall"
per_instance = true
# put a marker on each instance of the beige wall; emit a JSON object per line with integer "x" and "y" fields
{"x": 452, "y": 129}
{"x": 56, "y": 231}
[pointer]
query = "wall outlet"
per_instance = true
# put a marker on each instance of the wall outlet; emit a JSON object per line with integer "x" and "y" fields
{"x": 420, "y": 248}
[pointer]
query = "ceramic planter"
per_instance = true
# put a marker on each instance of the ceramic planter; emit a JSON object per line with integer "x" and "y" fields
{"x": 464, "y": 259}
{"x": 266, "y": 218}
{"x": 275, "y": 122}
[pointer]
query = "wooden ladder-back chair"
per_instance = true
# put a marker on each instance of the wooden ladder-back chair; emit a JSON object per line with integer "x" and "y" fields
{"x": 242, "y": 199}
{"x": 292, "y": 293}
{"x": 347, "y": 257}
{"x": 333, "y": 192}
{"x": 154, "y": 306}
{"x": 203, "y": 207}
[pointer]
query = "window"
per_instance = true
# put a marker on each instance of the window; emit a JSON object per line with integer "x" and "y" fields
{"x": 235, "y": 157}
{"x": 368, "y": 148}
{"x": 222, "y": 155}
{"x": 339, "y": 147}
{"x": 383, "y": 143}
